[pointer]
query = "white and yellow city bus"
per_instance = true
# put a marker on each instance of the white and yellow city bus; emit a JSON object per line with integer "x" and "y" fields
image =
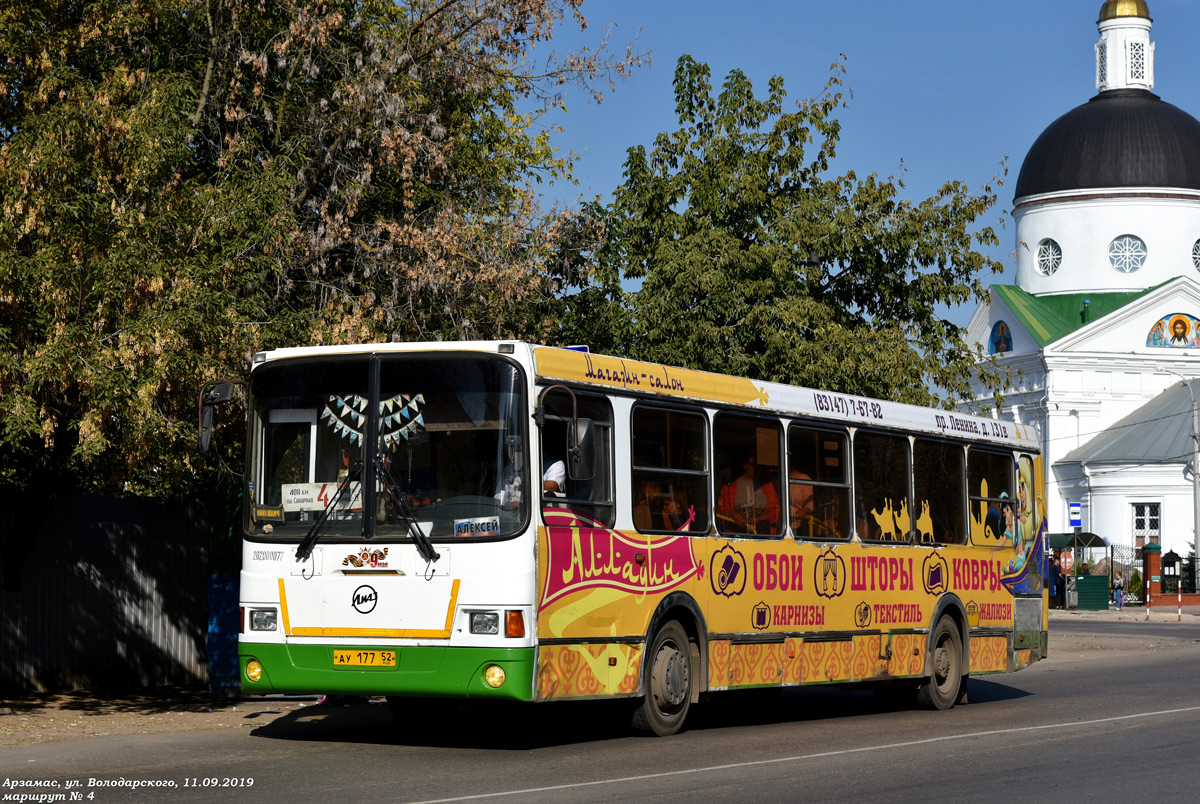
{"x": 497, "y": 520}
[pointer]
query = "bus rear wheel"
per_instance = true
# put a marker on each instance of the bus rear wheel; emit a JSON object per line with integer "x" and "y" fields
{"x": 945, "y": 685}
{"x": 669, "y": 686}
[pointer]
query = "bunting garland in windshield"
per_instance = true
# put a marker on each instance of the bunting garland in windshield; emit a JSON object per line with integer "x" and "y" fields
{"x": 399, "y": 417}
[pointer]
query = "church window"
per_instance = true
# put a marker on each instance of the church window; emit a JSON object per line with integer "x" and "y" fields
{"x": 1101, "y": 64}
{"x": 1127, "y": 253}
{"x": 1049, "y": 257}
{"x": 1146, "y": 523}
{"x": 1196, "y": 255}
{"x": 1137, "y": 61}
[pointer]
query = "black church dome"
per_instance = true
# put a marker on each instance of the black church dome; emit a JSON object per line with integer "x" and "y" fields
{"x": 1120, "y": 138}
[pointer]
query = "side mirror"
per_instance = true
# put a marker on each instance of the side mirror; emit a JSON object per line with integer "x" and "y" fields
{"x": 206, "y": 414}
{"x": 221, "y": 392}
{"x": 581, "y": 455}
{"x": 211, "y": 395}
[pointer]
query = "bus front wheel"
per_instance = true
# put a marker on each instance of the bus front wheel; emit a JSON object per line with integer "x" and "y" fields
{"x": 669, "y": 686}
{"x": 945, "y": 685}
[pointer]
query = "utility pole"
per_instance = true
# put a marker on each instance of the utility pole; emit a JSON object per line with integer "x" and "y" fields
{"x": 1195, "y": 486}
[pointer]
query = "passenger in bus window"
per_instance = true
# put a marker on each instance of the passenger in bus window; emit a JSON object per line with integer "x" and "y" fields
{"x": 833, "y": 507}
{"x": 671, "y": 514}
{"x": 746, "y": 506}
{"x": 643, "y": 518}
{"x": 554, "y": 475}
{"x": 800, "y": 501}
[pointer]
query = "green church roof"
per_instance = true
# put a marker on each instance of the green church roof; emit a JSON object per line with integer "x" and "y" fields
{"x": 1049, "y": 318}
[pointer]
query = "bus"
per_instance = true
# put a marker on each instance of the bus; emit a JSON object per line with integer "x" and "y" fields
{"x": 501, "y": 521}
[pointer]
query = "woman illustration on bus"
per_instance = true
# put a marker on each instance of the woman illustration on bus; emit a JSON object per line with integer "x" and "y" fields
{"x": 1024, "y": 524}
{"x": 746, "y": 506}
{"x": 1009, "y": 519}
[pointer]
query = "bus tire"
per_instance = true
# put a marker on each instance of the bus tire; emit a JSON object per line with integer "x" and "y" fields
{"x": 671, "y": 675}
{"x": 943, "y": 688}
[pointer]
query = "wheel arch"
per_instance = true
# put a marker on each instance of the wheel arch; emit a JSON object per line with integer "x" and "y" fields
{"x": 949, "y": 605}
{"x": 682, "y": 607}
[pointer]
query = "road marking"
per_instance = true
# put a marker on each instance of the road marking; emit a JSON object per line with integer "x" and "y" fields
{"x": 666, "y": 774}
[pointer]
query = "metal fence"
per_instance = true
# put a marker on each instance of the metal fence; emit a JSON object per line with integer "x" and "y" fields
{"x": 1127, "y": 562}
{"x": 102, "y": 592}
{"x": 1179, "y": 575}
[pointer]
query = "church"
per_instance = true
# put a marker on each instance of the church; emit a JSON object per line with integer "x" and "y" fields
{"x": 1102, "y": 326}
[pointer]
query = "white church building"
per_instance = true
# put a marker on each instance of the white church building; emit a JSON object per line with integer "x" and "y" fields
{"x": 1103, "y": 322}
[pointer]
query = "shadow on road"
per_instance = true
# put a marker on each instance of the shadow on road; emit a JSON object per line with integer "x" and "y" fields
{"x": 523, "y": 727}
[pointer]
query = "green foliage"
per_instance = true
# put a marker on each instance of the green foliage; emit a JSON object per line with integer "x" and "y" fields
{"x": 1135, "y": 584}
{"x": 185, "y": 182}
{"x": 754, "y": 259}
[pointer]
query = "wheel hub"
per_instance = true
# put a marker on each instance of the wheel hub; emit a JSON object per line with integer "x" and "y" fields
{"x": 941, "y": 663}
{"x": 670, "y": 676}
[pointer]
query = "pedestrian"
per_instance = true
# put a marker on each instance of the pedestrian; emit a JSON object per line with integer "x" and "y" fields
{"x": 1055, "y": 581}
{"x": 1118, "y": 589}
{"x": 1062, "y": 583}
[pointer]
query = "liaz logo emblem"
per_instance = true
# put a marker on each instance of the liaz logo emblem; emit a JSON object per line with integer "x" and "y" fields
{"x": 364, "y": 599}
{"x": 727, "y": 572}
{"x": 934, "y": 574}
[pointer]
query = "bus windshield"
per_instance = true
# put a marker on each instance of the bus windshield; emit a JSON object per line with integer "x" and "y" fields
{"x": 449, "y": 455}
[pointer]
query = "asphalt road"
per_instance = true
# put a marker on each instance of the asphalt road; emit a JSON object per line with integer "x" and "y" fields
{"x": 1162, "y": 625}
{"x": 1112, "y": 714}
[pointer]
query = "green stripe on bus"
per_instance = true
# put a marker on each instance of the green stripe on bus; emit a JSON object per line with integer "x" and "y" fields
{"x": 419, "y": 671}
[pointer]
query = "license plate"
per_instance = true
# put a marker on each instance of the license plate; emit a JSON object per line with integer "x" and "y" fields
{"x": 364, "y": 658}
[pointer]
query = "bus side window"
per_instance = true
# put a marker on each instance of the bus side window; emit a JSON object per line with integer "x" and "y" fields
{"x": 818, "y": 496}
{"x": 670, "y": 470}
{"x": 939, "y": 480}
{"x": 993, "y": 517}
{"x": 746, "y": 461}
{"x": 881, "y": 487}
{"x": 592, "y": 498}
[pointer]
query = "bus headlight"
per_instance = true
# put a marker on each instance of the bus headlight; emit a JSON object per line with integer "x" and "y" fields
{"x": 493, "y": 676}
{"x": 485, "y": 622}
{"x": 254, "y": 670}
{"x": 263, "y": 619}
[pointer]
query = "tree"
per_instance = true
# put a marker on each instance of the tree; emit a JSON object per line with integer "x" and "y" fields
{"x": 185, "y": 182}
{"x": 753, "y": 259}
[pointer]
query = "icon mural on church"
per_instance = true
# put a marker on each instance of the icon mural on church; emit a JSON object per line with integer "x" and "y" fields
{"x": 1001, "y": 339}
{"x": 1175, "y": 331}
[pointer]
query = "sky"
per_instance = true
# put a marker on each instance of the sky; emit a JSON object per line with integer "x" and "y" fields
{"x": 942, "y": 89}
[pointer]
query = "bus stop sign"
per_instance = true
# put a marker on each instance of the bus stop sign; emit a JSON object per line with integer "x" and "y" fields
{"x": 1076, "y": 515}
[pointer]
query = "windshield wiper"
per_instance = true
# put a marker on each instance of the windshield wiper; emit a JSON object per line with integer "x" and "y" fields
{"x": 400, "y": 499}
{"x": 304, "y": 549}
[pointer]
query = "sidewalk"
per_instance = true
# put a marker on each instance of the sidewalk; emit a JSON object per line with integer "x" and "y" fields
{"x": 1162, "y": 614}
{"x": 89, "y": 713}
